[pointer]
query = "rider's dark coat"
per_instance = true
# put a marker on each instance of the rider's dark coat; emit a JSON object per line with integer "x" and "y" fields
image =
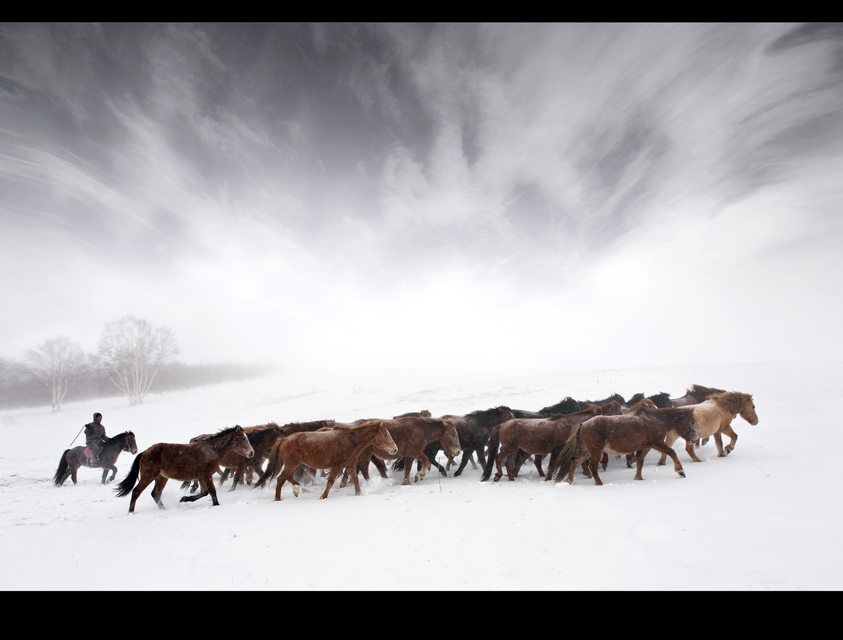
{"x": 94, "y": 432}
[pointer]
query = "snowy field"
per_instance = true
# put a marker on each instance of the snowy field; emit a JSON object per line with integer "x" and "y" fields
{"x": 767, "y": 516}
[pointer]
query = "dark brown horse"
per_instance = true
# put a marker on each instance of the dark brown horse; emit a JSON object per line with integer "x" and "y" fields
{"x": 611, "y": 408}
{"x": 534, "y": 436}
{"x": 473, "y": 429}
{"x": 197, "y": 461}
{"x": 333, "y": 448}
{"x": 629, "y": 433}
{"x": 74, "y": 458}
{"x": 412, "y": 435}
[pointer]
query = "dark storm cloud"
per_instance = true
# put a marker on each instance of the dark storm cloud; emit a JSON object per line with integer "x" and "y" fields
{"x": 298, "y": 170}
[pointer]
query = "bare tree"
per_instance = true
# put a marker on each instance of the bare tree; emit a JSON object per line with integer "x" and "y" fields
{"x": 131, "y": 352}
{"x": 56, "y": 362}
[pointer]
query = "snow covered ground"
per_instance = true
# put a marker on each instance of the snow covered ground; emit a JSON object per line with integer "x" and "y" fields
{"x": 766, "y": 517}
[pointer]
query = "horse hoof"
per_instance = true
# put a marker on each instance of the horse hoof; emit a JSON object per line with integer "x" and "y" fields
{"x": 296, "y": 491}
{"x": 681, "y": 474}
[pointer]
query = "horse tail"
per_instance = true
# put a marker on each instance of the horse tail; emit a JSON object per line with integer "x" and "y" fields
{"x": 494, "y": 443}
{"x": 398, "y": 465}
{"x": 274, "y": 465}
{"x": 128, "y": 483}
{"x": 59, "y": 477}
{"x": 569, "y": 451}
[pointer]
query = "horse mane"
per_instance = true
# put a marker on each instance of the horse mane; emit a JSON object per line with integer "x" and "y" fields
{"x": 307, "y": 426}
{"x": 730, "y": 400}
{"x": 615, "y": 396}
{"x": 699, "y": 391}
{"x": 566, "y": 405}
{"x": 638, "y": 406}
{"x": 424, "y": 413}
{"x": 122, "y": 435}
{"x": 225, "y": 431}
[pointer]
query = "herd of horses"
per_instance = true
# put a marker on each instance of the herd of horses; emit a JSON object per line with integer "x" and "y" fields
{"x": 572, "y": 433}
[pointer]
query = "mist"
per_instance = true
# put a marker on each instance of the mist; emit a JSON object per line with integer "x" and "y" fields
{"x": 426, "y": 196}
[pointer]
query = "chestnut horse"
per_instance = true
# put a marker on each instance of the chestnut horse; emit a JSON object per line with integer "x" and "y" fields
{"x": 333, "y": 448}
{"x": 411, "y": 435}
{"x": 473, "y": 430}
{"x": 196, "y": 461}
{"x": 533, "y": 436}
{"x": 628, "y": 433}
{"x": 714, "y": 417}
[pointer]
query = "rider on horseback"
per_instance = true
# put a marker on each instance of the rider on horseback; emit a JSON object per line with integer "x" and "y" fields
{"x": 94, "y": 437}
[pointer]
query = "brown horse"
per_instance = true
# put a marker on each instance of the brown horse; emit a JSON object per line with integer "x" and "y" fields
{"x": 536, "y": 436}
{"x": 629, "y": 433}
{"x": 333, "y": 448}
{"x": 714, "y": 417}
{"x": 196, "y": 461}
{"x": 411, "y": 435}
{"x": 611, "y": 408}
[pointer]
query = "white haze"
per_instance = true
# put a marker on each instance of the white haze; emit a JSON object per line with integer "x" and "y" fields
{"x": 327, "y": 197}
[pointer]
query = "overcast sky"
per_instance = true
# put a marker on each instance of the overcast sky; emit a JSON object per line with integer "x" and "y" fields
{"x": 426, "y": 195}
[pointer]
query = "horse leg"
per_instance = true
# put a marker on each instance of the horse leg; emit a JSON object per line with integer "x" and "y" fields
{"x": 690, "y": 449}
{"x": 425, "y": 466}
{"x": 158, "y": 489}
{"x": 333, "y": 476}
{"x": 381, "y": 467}
{"x": 629, "y": 458}
{"x": 538, "y": 460}
{"x": 718, "y": 440}
{"x": 466, "y": 455}
{"x": 594, "y": 462}
{"x": 212, "y": 490}
{"x": 639, "y": 462}
{"x": 408, "y": 463}
{"x": 727, "y": 430}
{"x": 354, "y": 479}
{"x": 520, "y": 458}
{"x": 143, "y": 484}
{"x": 677, "y": 466}
{"x": 605, "y": 461}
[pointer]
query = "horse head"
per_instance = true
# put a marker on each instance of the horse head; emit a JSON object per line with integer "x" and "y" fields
{"x": 747, "y": 410}
{"x": 383, "y": 440}
{"x": 130, "y": 444}
{"x": 241, "y": 444}
{"x": 689, "y": 431}
{"x": 450, "y": 440}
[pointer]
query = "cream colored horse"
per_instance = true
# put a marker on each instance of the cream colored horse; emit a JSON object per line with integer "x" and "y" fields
{"x": 714, "y": 417}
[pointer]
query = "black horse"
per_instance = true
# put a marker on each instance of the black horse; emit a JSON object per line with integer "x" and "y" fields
{"x": 661, "y": 400}
{"x": 74, "y": 458}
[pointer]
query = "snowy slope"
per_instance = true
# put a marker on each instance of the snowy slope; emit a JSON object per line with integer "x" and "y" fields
{"x": 765, "y": 517}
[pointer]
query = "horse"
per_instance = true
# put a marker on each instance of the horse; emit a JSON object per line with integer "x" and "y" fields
{"x": 612, "y": 408}
{"x": 628, "y": 433}
{"x": 411, "y": 435}
{"x": 714, "y": 417}
{"x": 199, "y": 460}
{"x": 332, "y": 448}
{"x": 261, "y": 441}
{"x": 74, "y": 458}
{"x": 473, "y": 430}
{"x": 533, "y": 436}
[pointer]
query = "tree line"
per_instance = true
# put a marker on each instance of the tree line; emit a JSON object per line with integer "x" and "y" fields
{"x": 133, "y": 359}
